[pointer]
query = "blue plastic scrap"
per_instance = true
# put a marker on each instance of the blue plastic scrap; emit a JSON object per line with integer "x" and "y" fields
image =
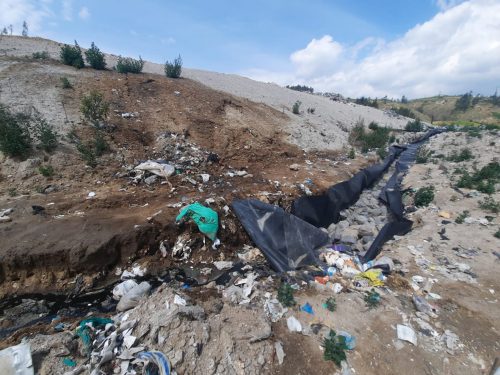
{"x": 307, "y": 308}
{"x": 155, "y": 363}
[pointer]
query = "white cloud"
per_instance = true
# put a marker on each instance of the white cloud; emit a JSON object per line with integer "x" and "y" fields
{"x": 447, "y": 4}
{"x": 67, "y": 10}
{"x": 456, "y": 51}
{"x": 14, "y": 12}
{"x": 84, "y": 13}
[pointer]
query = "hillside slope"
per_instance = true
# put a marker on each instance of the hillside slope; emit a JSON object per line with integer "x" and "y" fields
{"x": 326, "y": 129}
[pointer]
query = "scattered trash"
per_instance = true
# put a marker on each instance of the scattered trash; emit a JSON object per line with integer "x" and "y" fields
{"x": 160, "y": 169}
{"x": 123, "y": 288}
{"x": 155, "y": 363}
{"x": 274, "y": 309}
{"x": 423, "y": 306}
{"x": 293, "y": 324}
{"x": 307, "y": 308}
{"x": 163, "y": 248}
{"x": 69, "y": 362}
{"x": 223, "y": 265}
{"x": 374, "y": 277}
{"x": 133, "y": 296}
{"x": 406, "y": 333}
{"x": 178, "y": 300}
{"x": 350, "y": 341}
{"x": 182, "y": 249}
{"x": 16, "y": 360}
{"x": 91, "y": 195}
{"x": 206, "y": 218}
{"x": 86, "y": 328}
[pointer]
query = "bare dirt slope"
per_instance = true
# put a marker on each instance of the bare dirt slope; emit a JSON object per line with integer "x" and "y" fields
{"x": 326, "y": 129}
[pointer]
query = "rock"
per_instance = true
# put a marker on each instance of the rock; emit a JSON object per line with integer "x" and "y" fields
{"x": 294, "y": 167}
{"x": 360, "y": 219}
{"x": 5, "y": 219}
{"x": 150, "y": 180}
{"x": 131, "y": 299}
{"x": 366, "y": 230}
{"x": 280, "y": 353}
{"x": 349, "y": 236}
{"x": 223, "y": 265}
{"x": 331, "y": 229}
{"x": 191, "y": 312}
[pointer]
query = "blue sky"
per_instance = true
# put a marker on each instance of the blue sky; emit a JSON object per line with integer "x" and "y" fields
{"x": 363, "y": 47}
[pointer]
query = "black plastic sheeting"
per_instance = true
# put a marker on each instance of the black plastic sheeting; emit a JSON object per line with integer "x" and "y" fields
{"x": 287, "y": 241}
{"x": 290, "y": 241}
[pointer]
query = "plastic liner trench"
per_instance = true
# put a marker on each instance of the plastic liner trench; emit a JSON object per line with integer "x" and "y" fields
{"x": 289, "y": 241}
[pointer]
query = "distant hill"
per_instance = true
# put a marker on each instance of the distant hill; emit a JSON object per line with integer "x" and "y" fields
{"x": 441, "y": 110}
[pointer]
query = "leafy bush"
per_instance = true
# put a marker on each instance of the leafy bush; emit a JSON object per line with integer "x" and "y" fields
{"x": 93, "y": 107}
{"x": 372, "y": 299}
{"x": 497, "y": 234}
{"x": 423, "y": 155}
{"x": 335, "y": 348}
{"x": 351, "y": 154}
{"x": 331, "y": 304}
{"x": 40, "y": 55}
{"x": 464, "y": 155}
{"x": 461, "y": 217}
{"x": 403, "y": 111}
{"x": 424, "y": 196}
{"x": 72, "y": 56}
{"x": 296, "y": 107}
{"x": 301, "y": 88}
{"x": 483, "y": 180}
{"x": 373, "y": 126}
{"x": 376, "y": 138}
{"x": 490, "y": 204}
{"x": 87, "y": 154}
{"x": 15, "y": 138}
{"x": 95, "y": 57}
{"x": 464, "y": 102}
{"x": 129, "y": 65}
{"x": 382, "y": 153}
{"x": 45, "y": 134}
{"x": 100, "y": 144}
{"x": 174, "y": 69}
{"x": 66, "y": 84}
{"x": 414, "y": 126}
{"x": 285, "y": 295}
{"x": 46, "y": 171}
{"x": 367, "y": 102}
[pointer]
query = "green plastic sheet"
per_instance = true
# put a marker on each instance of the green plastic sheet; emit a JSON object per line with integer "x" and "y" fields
{"x": 206, "y": 219}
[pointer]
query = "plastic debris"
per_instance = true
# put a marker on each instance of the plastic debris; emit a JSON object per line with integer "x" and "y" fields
{"x": 293, "y": 324}
{"x": 444, "y": 214}
{"x": 206, "y": 218}
{"x": 274, "y": 309}
{"x": 350, "y": 340}
{"x": 223, "y": 265}
{"x": 86, "y": 327}
{"x": 374, "y": 277}
{"x": 406, "y": 333}
{"x": 181, "y": 249}
{"x": 307, "y": 308}
{"x": 16, "y": 360}
{"x": 131, "y": 299}
{"x": 69, "y": 362}
{"x": 160, "y": 169}
{"x": 155, "y": 363}
{"x": 178, "y": 300}
{"x": 123, "y": 288}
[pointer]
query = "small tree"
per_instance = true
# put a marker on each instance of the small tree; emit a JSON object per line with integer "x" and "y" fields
{"x": 45, "y": 133}
{"x": 129, "y": 65}
{"x": 464, "y": 102}
{"x": 174, "y": 69}
{"x": 4, "y": 31}
{"x": 25, "y": 29}
{"x": 72, "y": 56}
{"x": 15, "y": 139}
{"x": 414, "y": 126}
{"x": 94, "y": 108}
{"x": 95, "y": 57}
{"x": 404, "y": 100}
{"x": 296, "y": 107}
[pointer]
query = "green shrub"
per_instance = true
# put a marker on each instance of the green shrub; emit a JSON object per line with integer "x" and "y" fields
{"x": 46, "y": 171}
{"x": 497, "y": 234}
{"x": 414, "y": 126}
{"x": 351, "y": 154}
{"x": 335, "y": 348}
{"x": 483, "y": 180}
{"x": 490, "y": 204}
{"x": 129, "y": 65}
{"x": 66, "y": 84}
{"x": 12, "y": 192}
{"x": 373, "y": 126}
{"x": 100, "y": 144}
{"x": 15, "y": 138}
{"x": 392, "y": 139}
{"x": 423, "y": 155}
{"x": 376, "y": 138}
{"x": 40, "y": 55}
{"x": 174, "y": 69}
{"x": 93, "y": 107}
{"x": 95, "y": 57}
{"x": 72, "y": 56}
{"x": 403, "y": 111}
{"x": 45, "y": 134}
{"x": 285, "y": 295}
{"x": 382, "y": 153}
{"x": 87, "y": 154}
{"x": 460, "y": 218}
{"x": 296, "y": 107}
{"x": 424, "y": 196}
{"x": 331, "y": 304}
{"x": 464, "y": 155}
{"x": 372, "y": 299}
